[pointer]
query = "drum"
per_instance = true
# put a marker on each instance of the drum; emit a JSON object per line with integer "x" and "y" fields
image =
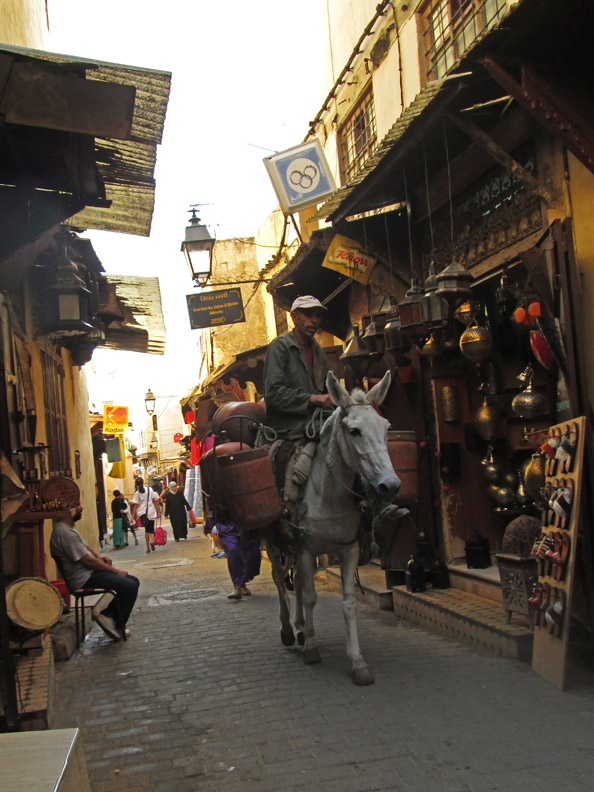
{"x": 33, "y": 605}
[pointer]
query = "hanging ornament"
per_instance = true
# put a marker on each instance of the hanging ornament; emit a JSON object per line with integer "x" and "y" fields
{"x": 466, "y": 312}
{"x": 476, "y": 343}
{"x": 435, "y": 310}
{"x": 506, "y": 295}
{"x": 411, "y": 313}
{"x": 453, "y": 283}
{"x": 529, "y": 403}
{"x": 374, "y": 338}
{"x": 486, "y": 421}
{"x": 541, "y": 350}
{"x": 431, "y": 349}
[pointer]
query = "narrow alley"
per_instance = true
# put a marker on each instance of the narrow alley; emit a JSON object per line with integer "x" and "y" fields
{"x": 204, "y": 697}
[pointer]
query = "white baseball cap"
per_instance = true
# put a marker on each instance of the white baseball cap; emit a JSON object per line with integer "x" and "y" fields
{"x": 305, "y": 302}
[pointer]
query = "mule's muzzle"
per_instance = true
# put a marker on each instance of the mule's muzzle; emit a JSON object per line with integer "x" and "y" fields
{"x": 386, "y": 488}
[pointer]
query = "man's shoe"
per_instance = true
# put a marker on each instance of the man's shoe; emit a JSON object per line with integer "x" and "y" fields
{"x": 108, "y": 625}
{"x": 235, "y": 595}
{"x": 127, "y": 633}
{"x": 245, "y": 591}
{"x": 152, "y": 545}
{"x": 221, "y": 555}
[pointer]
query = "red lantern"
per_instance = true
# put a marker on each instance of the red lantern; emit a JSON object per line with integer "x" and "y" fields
{"x": 177, "y": 437}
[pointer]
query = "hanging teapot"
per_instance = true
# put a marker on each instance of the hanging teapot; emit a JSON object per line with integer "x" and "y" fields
{"x": 529, "y": 403}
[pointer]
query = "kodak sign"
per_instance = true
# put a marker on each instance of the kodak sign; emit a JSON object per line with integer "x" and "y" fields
{"x": 115, "y": 419}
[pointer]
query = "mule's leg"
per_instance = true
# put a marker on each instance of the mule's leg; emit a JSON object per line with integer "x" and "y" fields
{"x": 299, "y": 619}
{"x": 361, "y": 672}
{"x": 308, "y": 590}
{"x": 278, "y": 575}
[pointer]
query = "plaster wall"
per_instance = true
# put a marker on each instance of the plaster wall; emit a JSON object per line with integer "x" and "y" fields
{"x": 411, "y": 63}
{"x": 386, "y": 91}
{"x": 346, "y": 20}
{"x": 581, "y": 189}
{"x": 236, "y": 260}
{"x": 23, "y": 23}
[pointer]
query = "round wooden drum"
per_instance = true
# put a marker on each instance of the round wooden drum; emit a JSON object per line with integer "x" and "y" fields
{"x": 33, "y": 605}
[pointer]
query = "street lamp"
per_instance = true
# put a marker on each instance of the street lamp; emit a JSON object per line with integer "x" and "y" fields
{"x": 197, "y": 248}
{"x": 149, "y": 401}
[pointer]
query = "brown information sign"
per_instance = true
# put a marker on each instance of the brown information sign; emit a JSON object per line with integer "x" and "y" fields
{"x": 214, "y": 308}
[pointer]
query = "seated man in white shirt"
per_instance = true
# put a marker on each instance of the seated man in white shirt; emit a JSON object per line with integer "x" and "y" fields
{"x": 82, "y": 567}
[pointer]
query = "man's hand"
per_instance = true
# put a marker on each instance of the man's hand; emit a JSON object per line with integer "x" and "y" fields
{"x": 107, "y": 560}
{"x": 121, "y": 572}
{"x": 321, "y": 400}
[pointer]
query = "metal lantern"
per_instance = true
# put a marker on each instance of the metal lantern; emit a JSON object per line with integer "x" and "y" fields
{"x": 431, "y": 349}
{"x": 453, "y": 283}
{"x": 411, "y": 312}
{"x": 66, "y": 302}
{"x": 435, "y": 310}
{"x": 529, "y": 403}
{"x": 466, "y": 312}
{"x": 374, "y": 338}
{"x": 394, "y": 339}
{"x": 197, "y": 247}
{"x": 356, "y": 355}
{"x": 149, "y": 402}
{"x": 486, "y": 421}
{"x": 506, "y": 295}
{"x": 476, "y": 343}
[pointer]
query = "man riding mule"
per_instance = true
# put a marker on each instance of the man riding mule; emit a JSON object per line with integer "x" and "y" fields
{"x": 325, "y": 514}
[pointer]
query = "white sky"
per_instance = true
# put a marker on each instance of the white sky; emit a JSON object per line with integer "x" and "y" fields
{"x": 243, "y": 73}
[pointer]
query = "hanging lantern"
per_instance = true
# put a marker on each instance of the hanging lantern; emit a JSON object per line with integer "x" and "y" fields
{"x": 411, "y": 313}
{"x": 435, "y": 310}
{"x": 506, "y": 295}
{"x": 453, "y": 283}
{"x": 529, "y": 403}
{"x": 394, "y": 339}
{"x": 431, "y": 349}
{"x": 356, "y": 355}
{"x": 466, "y": 312}
{"x": 66, "y": 301}
{"x": 486, "y": 421}
{"x": 374, "y": 339}
{"x": 476, "y": 343}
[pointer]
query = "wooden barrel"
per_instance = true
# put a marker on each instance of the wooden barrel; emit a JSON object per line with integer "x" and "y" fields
{"x": 33, "y": 605}
{"x": 239, "y": 421}
{"x": 250, "y": 488}
{"x": 210, "y": 473}
{"x": 404, "y": 455}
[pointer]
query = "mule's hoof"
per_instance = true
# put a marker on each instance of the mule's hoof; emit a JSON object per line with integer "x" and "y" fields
{"x": 300, "y": 638}
{"x": 287, "y": 637}
{"x": 311, "y": 656}
{"x": 363, "y": 676}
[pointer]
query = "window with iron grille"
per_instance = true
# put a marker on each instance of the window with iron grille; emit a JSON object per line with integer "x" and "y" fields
{"x": 58, "y": 456}
{"x": 358, "y": 137}
{"x": 450, "y": 27}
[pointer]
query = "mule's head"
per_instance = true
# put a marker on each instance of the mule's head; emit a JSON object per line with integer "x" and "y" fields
{"x": 363, "y": 435}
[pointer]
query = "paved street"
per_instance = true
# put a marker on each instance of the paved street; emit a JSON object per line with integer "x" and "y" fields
{"x": 204, "y": 697}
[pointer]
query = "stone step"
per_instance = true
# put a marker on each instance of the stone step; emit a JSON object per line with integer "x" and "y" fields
{"x": 466, "y": 617}
{"x": 373, "y": 582}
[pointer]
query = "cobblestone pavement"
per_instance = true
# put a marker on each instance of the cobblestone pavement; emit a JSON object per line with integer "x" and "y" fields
{"x": 204, "y": 697}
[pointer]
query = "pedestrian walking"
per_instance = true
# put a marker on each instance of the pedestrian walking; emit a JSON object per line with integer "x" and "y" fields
{"x": 177, "y": 508}
{"x": 145, "y": 510}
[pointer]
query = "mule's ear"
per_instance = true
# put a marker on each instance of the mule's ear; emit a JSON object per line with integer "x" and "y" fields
{"x": 378, "y": 393}
{"x": 340, "y": 396}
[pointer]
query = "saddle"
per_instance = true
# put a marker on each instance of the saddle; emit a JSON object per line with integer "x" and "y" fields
{"x": 291, "y": 462}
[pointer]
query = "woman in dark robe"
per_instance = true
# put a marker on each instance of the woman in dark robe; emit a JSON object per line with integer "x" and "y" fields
{"x": 175, "y": 508}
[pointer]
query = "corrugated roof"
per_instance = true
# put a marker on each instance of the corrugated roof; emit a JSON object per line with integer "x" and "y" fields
{"x": 126, "y": 166}
{"x": 415, "y": 108}
{"x": 142, "y": 298}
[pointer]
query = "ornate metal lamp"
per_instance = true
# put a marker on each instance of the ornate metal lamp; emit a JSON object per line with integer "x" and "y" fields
{"x": 411, "y": 312}
{"x": 149, "y": 402}
{"x": 435, "y": 310}
{"x": 66, "y": 301}
{"x": 453, "y": 284}
{"x": 356, "y": 355}
{"x": 197, "y": 247}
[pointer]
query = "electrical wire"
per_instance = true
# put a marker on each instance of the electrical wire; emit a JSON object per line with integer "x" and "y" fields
{"x": 445, "y": 137}
{"x": 428, "y": 201}
{"x": 408, "y": 213}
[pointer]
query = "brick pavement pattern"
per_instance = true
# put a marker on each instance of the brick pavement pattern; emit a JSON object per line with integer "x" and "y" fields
{"x": 204, "y": 697}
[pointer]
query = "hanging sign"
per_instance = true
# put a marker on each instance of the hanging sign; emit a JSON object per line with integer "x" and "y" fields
{"x": 214, "y": 308}
{"x": 115, "y": 419}
{"x": 300, "y": 176}
{"x": 346, "y": 256}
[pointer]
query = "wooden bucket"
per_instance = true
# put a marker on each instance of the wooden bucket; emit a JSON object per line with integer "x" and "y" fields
{"x": 404, "y": 455}
{"x": 250, "y": 488}
{"x": 33, "y": 605}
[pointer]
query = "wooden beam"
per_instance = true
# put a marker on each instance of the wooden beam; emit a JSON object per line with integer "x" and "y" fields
{"x": 501, "y": 156}
{"x": 39, "y": 95}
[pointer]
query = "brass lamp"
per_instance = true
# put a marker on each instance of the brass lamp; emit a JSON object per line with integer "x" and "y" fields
{"x": 411, "y": 312}
{"x": 66, "y": 301}
{"x": 435, "y": 310}
{"x": 453, "y": 284}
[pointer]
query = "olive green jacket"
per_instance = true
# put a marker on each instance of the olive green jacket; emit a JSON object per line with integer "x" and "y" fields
{"x": 289, "y": 382}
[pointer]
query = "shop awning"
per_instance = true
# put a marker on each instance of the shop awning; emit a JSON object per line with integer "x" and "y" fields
{"x": 245, "y": 367}
{"x": 142, "y": 327}
{"x": 88, "y": 132}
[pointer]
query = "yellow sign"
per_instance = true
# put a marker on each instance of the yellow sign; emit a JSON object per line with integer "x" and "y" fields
{"x": 346, "y": 256}
{"x": 115, "y": 419}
